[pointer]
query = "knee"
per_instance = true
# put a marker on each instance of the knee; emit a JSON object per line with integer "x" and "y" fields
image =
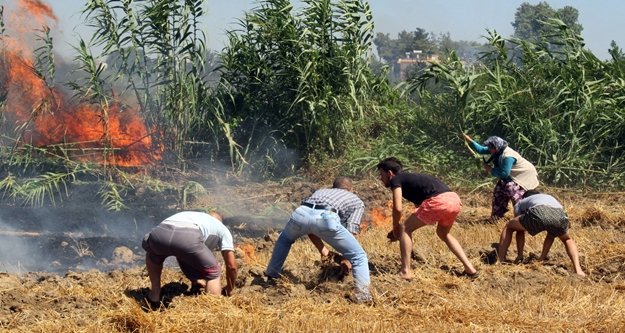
{"x": 356, "y": 257}
{"x": 443, "y": 234}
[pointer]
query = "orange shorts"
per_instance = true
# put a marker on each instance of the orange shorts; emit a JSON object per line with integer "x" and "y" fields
{"x": 442, "y": 208}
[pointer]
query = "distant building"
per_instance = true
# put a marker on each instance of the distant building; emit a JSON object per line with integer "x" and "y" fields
{"x": 411, "y": 59}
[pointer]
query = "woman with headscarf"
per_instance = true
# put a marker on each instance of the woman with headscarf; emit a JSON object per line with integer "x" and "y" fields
{"x": 516, "y": 174}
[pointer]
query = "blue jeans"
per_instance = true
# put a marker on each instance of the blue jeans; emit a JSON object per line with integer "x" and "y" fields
{"x": 327, "y": 226}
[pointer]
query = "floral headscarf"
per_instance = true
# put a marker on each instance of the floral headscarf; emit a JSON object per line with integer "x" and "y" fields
{"x": 496, "y": 142}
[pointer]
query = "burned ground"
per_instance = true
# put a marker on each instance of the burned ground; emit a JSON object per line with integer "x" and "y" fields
{"x": 88, "y": 273}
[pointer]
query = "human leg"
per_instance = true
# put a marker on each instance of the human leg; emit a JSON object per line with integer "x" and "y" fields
{"x": 499, "y": 205}
{"x": 546, "y": 246}
{"x": 213, "y": 287}
{"x": 514, "y": 192}
{"x": 328, "y": 227}
{"x": 411, "y": 224}
{"x": 520, "y": 245}
{"x": 294, "y": 229}
{"x": 452, "y": 243}
{"x": 506, "y": 237}
{"x": 571, "y": 250}
{"x": 156, "y": 250}
{"x": 155, "y": 270}
{"x": 197, "y": 262}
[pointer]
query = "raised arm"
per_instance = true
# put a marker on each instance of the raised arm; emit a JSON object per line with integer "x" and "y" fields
{"x": 478, "y": 148}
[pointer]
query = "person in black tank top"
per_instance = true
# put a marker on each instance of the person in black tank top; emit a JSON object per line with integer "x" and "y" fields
{"x": 435, "y": 204}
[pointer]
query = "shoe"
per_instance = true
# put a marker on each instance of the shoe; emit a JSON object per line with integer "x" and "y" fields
{"x": 363, "y": 297}
{"x": 270, "y": 280}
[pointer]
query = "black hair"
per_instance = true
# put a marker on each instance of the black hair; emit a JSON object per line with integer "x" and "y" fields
{"x": 391, "y": 164}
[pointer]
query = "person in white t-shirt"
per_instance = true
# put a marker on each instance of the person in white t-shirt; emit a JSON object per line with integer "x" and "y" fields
{"x": 191, "y": 237}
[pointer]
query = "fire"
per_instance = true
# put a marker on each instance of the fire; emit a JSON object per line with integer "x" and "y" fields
{"x": 379, "y": 218}
{"x": 249, "y": 252}
{"x": 106, "y": 133}
{"x": 37, "y": 9}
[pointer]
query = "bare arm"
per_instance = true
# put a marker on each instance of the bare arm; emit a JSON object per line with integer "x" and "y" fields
{"x": 397, "y": 211}
{"x": 319, "y": 245}
{"x": 231, "y": 270}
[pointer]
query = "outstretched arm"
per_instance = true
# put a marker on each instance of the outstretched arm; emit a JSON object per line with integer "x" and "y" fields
{"x": 231, "y": 270}
{"x": 478, "y": 148}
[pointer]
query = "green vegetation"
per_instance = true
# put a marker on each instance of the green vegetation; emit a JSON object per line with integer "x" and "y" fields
{"x": 297, "y": 89}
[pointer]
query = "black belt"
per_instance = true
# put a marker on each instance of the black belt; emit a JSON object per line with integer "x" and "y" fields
{"x": 321, "y": 207}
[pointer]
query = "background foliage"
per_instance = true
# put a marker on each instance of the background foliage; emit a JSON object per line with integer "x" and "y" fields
{"x": 300, "y": 90}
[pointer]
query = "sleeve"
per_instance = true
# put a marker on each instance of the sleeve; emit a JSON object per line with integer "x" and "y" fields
{"x": 503, "y": 169}
{"x": 482, "y": 150}
{"x": 227, "y": 242}
{"x": 521, "y": 207}
{"x": 353, "y": 221}
{"x": 395, "y": 182}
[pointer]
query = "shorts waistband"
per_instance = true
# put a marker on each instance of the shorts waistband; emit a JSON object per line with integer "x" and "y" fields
{"x": 181, "y": 224}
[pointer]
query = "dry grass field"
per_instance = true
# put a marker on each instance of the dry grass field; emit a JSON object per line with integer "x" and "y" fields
{"x": 531, "y": 296}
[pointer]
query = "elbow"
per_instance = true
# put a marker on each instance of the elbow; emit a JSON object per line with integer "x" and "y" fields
{"x": 500, "y": 174}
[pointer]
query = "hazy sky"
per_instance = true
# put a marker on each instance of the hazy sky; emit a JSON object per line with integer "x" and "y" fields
{"x": 463, "y": 19}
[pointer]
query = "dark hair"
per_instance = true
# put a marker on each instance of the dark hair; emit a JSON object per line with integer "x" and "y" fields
{"x": 390, "y": 164}
{"x": 529, "y": 193}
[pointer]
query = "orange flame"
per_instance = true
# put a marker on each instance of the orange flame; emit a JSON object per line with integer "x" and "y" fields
{"x": 249, "y": 252}
{"x": 379, "y": 218}
{"x": 38, "y": 9}
{"x": 111, "y": 134}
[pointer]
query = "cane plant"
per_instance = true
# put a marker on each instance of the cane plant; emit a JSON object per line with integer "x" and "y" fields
{"x": 298, "y": 81}
{"x": 561, "y": 107}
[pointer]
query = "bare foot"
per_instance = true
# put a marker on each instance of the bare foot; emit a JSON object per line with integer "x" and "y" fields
{"x": 406, "y": 275}
{"x": 580, "y": 273}
{"x": 153, "y": 297}
{"x": 471, "y": 276}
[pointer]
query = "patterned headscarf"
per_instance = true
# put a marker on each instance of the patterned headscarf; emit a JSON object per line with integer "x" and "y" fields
{"x": 496, "y": 142}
